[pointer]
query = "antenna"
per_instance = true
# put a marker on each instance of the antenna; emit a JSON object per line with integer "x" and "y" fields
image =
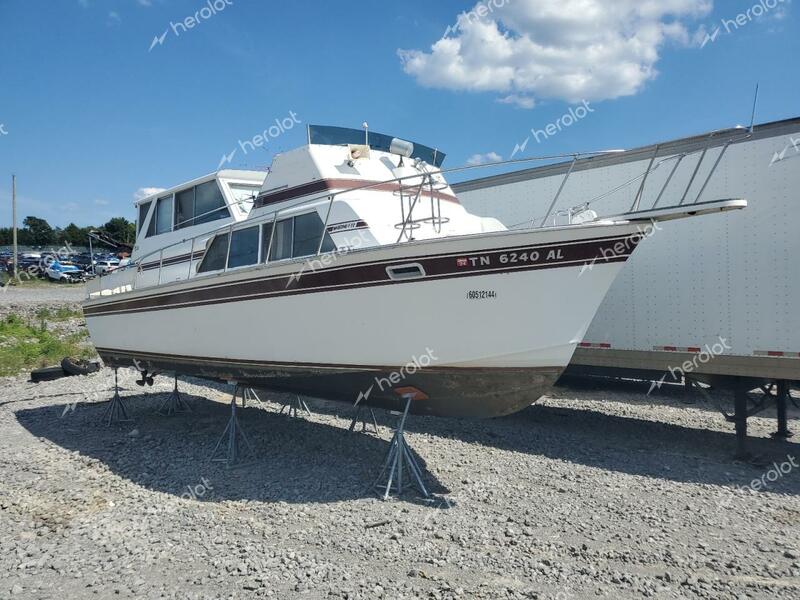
{"x": 753, "y": 114}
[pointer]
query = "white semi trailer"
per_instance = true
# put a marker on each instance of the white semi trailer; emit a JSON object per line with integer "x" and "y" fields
{"x": 714, "y": 299}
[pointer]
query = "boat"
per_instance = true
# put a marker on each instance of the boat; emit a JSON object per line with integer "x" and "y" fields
{"x": 358, "y": 276}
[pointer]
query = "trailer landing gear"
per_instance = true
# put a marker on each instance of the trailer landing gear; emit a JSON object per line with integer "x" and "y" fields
{"x": 746, "y": 406}
{"x": 782, "y": 394}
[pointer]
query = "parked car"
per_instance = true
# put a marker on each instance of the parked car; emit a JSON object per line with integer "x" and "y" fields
{"x": 64, "y": 272}
{"x": 104, "y": 267}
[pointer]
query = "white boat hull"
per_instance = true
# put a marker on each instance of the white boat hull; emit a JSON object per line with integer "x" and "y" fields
{"x": 481, "y": 338}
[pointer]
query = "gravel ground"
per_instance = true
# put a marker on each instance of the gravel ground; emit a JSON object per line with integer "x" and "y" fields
{"x": 597, "y": 491}
{"x": 26, "y": 300}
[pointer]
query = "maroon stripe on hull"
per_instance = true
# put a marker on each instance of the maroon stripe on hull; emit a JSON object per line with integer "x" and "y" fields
{"x": 325, "y": 185}
{"x": 477, "y": 263}
{"x": 451, "y": 392}
{"x": 173, "y": 260}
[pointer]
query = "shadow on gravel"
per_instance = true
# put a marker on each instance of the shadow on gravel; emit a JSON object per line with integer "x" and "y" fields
{"x": 618, "y": 443}
{"x": 640, "y": 393}
{"x": 295, "y": 460}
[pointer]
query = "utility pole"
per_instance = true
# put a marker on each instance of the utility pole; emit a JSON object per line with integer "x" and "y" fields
{"x": 14, "y": 220}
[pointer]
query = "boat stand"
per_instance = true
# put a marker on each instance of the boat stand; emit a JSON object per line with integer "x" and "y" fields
{"x": 362, "y": 418}
{"x": 115, "y": 411}
{"x": 174, "y": 403}
{"x": 400, "y": 461}
{"x": 232, "y": 435}
{"x": 251, "y": 394}
{"x": 297, "y": 404}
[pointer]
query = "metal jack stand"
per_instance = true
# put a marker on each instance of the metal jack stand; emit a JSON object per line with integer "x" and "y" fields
{"x": 398, "y": 460}
{"x": 359, "y": 416}
{"x": 231, "y": 436}
{"x": 115, "y": 411}
{"x": 298, "y": 404}
{"x": 251, "y": 394}
{"x": 174, "y": 403}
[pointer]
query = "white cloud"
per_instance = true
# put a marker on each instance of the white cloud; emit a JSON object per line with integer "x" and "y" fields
{"x": 482, "y": 159}
{"x": 144, "y": 192}
{"x": 570, "y": 50}
{"x": 519, "y": 100}
{"x": 101, "y": 202}
{"x": 145, "y": 2}
{"x": 114, "y": 18}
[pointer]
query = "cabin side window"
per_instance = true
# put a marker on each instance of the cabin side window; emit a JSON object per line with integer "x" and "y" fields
{"x": 244, "y": 248}
{"x": 184, "y": 208}
{"x": 143, "y": 210}
{"x": 307, "y": 231}
{"x": 202, "y": 203}
{"x": 214, "y": 259}
{"x": 161, "y": 221}
{"x": 296, "y": 237}
{"x": 266, "y": 237}
{"x": 209, "y": 203}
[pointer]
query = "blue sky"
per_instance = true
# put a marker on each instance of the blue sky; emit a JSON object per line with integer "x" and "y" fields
{"x": 90, "y": 113}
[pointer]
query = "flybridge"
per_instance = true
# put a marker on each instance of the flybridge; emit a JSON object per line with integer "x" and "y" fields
{"x": 341, "y": 136}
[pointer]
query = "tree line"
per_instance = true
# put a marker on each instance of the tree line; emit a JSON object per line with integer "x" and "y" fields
{"x": 38, "y": 232}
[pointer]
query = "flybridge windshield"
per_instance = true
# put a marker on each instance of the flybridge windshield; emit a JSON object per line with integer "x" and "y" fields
{"x": 335, "y": 136}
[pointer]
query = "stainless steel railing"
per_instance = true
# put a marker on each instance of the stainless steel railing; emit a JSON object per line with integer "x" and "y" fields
{"x": 427, "y": 178}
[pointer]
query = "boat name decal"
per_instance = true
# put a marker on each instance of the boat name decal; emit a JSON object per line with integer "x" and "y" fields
{"x": 347, "y": 226}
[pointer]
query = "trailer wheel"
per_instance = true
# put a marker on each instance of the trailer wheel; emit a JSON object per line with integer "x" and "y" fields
{"x": 78, "y": 367}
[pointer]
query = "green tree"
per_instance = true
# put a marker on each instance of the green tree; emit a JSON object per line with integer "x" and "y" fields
{"x": 74, "y": 235}
{"x": 121, "y": 230}
{"x": 37, "y": 232}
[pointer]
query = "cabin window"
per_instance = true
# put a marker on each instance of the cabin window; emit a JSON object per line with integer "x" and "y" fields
{"x": 307, "y": 231}
{"x": 161, "y": 221}
{"x": 266, "y": 236}
{"x": 296, "y": 237}
{"x": 214, "y": 259}
{"x": 184, "y": 208}
{"x": 244, "y": 248}
{"x": 209, "y": 204}
{"x": 203, "y": 203}
{"x": 143, "y": 210}
{"x": 282, "y": 240}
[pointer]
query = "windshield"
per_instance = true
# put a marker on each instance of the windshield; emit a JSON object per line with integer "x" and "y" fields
{"x": 336, "y": 136}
